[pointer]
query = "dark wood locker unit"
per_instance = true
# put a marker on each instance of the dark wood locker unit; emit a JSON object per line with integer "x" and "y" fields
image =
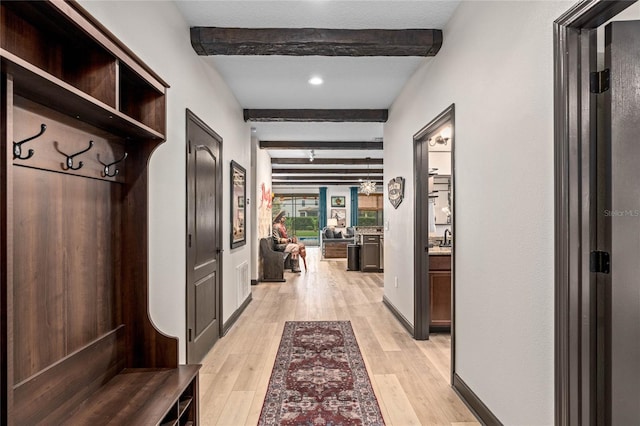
{"x": 370, "y": 253}
{"x": 80, "y": 117}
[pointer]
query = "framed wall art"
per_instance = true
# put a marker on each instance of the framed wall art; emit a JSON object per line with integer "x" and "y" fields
{"x": 238, "y": 209}
{"x": 338, "y": 201}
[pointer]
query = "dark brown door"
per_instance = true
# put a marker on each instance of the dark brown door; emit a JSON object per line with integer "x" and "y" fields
{"x": 422, "y": 313}
{"x": 204, "y": 218}
{"x": 620, "y": 225}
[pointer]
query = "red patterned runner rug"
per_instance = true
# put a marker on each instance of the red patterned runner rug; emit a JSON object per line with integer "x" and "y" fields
{"x": 319, "y": 378}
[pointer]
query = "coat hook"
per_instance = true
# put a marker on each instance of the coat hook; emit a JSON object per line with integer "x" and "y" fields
{"x": 70, "y": 158}
{"x": 17, "y": 146}
{"x": 106, "y": 171}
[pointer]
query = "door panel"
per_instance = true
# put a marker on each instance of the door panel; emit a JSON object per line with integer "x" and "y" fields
{"x": 204, "y": 232}
{"x": 204, "y": 191}
{"x": 622, "y": 107}
{"x": 205, "y": 296}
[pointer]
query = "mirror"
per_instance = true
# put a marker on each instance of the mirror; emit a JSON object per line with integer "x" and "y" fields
{"x": 238, "y": 209}
{"x": 442, "y": 184}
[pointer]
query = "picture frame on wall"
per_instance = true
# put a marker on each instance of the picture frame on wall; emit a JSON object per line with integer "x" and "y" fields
{"x": 341, "y": 217}
{"x": 238, "y": 209}
{"x": 338, "y": 201}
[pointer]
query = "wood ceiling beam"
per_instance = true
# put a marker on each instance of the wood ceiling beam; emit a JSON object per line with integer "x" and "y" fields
{"x": 321, "y": 183}
{"x": 354, "y": 145}
{"x": 348, "y": 161}
{"x": 309, "y": 171}
{"x": 317, "y": 115}
{"x": 315, "y": 41}
{"x": 326, "y": 177}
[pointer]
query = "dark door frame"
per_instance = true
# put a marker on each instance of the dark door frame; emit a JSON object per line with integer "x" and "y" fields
{"x": 421, "y": 313}
{"x": 219, "y": 204}
{"x": 575, "y": 149}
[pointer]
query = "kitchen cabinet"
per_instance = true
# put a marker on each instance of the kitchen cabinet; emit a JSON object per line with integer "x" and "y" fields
{"x": 440, "y": 292}
{"x": 370, "y": 253}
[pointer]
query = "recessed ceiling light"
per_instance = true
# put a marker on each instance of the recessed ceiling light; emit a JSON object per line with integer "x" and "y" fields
{"x": 316, "y": 80}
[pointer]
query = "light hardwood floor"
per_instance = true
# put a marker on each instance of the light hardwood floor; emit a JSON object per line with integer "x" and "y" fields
{"x": 410, "y": 378}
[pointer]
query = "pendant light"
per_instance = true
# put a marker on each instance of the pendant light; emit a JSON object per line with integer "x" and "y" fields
{"x": 368, "y": 186}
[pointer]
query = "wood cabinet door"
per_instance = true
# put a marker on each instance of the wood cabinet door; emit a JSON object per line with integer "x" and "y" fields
{"x": 440, "y": 298}
{"x": 370, "y": 253}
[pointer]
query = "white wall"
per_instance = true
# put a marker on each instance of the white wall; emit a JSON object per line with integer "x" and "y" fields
{"x": 262, "y": 203}
{"x": 496, "y": 65}
{"x": 339, "y": 191}
{"x": 157, "y": 33}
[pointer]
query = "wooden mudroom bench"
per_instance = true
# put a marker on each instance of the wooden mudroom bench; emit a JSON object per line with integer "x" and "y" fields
{"x": 80, "y": 115}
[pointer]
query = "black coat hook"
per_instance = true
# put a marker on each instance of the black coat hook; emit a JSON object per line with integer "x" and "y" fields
{"x": 17, "y": 146}
{"x": 70, "y": 165}
{"x": 106, "y": 172}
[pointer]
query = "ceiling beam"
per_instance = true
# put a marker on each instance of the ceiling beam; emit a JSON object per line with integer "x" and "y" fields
{"x": 354, "y": 145}
{"x": 326, "y": 177}
{"x": 321, "y": 183}
{"x": 315, "y": 41}
{"x": 309, "y": 171}
{"x": 349, "y": 161}
{"x": 317, "y": 115}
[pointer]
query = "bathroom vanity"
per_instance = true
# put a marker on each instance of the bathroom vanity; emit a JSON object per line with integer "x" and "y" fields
{"x": 440, "y": 288}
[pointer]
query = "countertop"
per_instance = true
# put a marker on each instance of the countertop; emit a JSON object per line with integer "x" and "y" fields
{"x": 439, "y": 251}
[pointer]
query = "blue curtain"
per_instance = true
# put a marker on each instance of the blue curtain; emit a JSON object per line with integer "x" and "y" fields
{"x": 354, "y": 206}
{"x": 322, "y": 208}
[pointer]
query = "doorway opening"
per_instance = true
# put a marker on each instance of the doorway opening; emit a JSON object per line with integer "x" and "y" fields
{"x": 434, "y": 275}
{"x": 596, "y": 204}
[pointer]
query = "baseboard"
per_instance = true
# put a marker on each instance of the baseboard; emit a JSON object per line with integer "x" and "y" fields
{"x": 396, "y": 313}
{"x": 477, "y": 407}
{"x": 234, "y": 317}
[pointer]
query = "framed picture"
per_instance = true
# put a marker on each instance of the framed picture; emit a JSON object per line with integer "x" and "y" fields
{"x": 337, "y": 201}
{"x": 340, "y": 215}
{"x": 238, "y": 210}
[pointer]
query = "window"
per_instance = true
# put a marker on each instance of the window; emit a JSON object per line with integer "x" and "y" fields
{"x": 302, "y": 215}
{"x": 370, "y": 210}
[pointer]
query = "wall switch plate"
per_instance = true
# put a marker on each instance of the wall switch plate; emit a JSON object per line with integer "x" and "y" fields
{"x": 395, "y": 282}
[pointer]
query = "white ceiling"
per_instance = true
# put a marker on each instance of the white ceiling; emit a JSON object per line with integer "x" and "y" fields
{"x": 351, "y": 14}
{"x": 281, "y": 82}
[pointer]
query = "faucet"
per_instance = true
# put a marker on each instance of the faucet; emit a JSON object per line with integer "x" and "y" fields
{"x": 444, "y": 241}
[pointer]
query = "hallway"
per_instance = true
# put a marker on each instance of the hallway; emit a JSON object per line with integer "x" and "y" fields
{"x": 410, "y": 378}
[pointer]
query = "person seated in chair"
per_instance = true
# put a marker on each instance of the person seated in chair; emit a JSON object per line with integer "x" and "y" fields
{"x": 284, "y": 243}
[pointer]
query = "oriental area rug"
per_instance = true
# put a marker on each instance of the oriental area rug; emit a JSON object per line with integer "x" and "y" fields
{"x": 319, "y": 378}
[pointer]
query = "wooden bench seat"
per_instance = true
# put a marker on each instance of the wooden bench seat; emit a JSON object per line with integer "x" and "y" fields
{"x": 273, "y": 262}
{"x": 142, "y": 396}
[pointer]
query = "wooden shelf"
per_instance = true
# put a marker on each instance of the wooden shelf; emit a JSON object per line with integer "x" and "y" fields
{"x": 140, "y": 101}
{"x": 31, "y": 32}
{"x": 41, "y": 87}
